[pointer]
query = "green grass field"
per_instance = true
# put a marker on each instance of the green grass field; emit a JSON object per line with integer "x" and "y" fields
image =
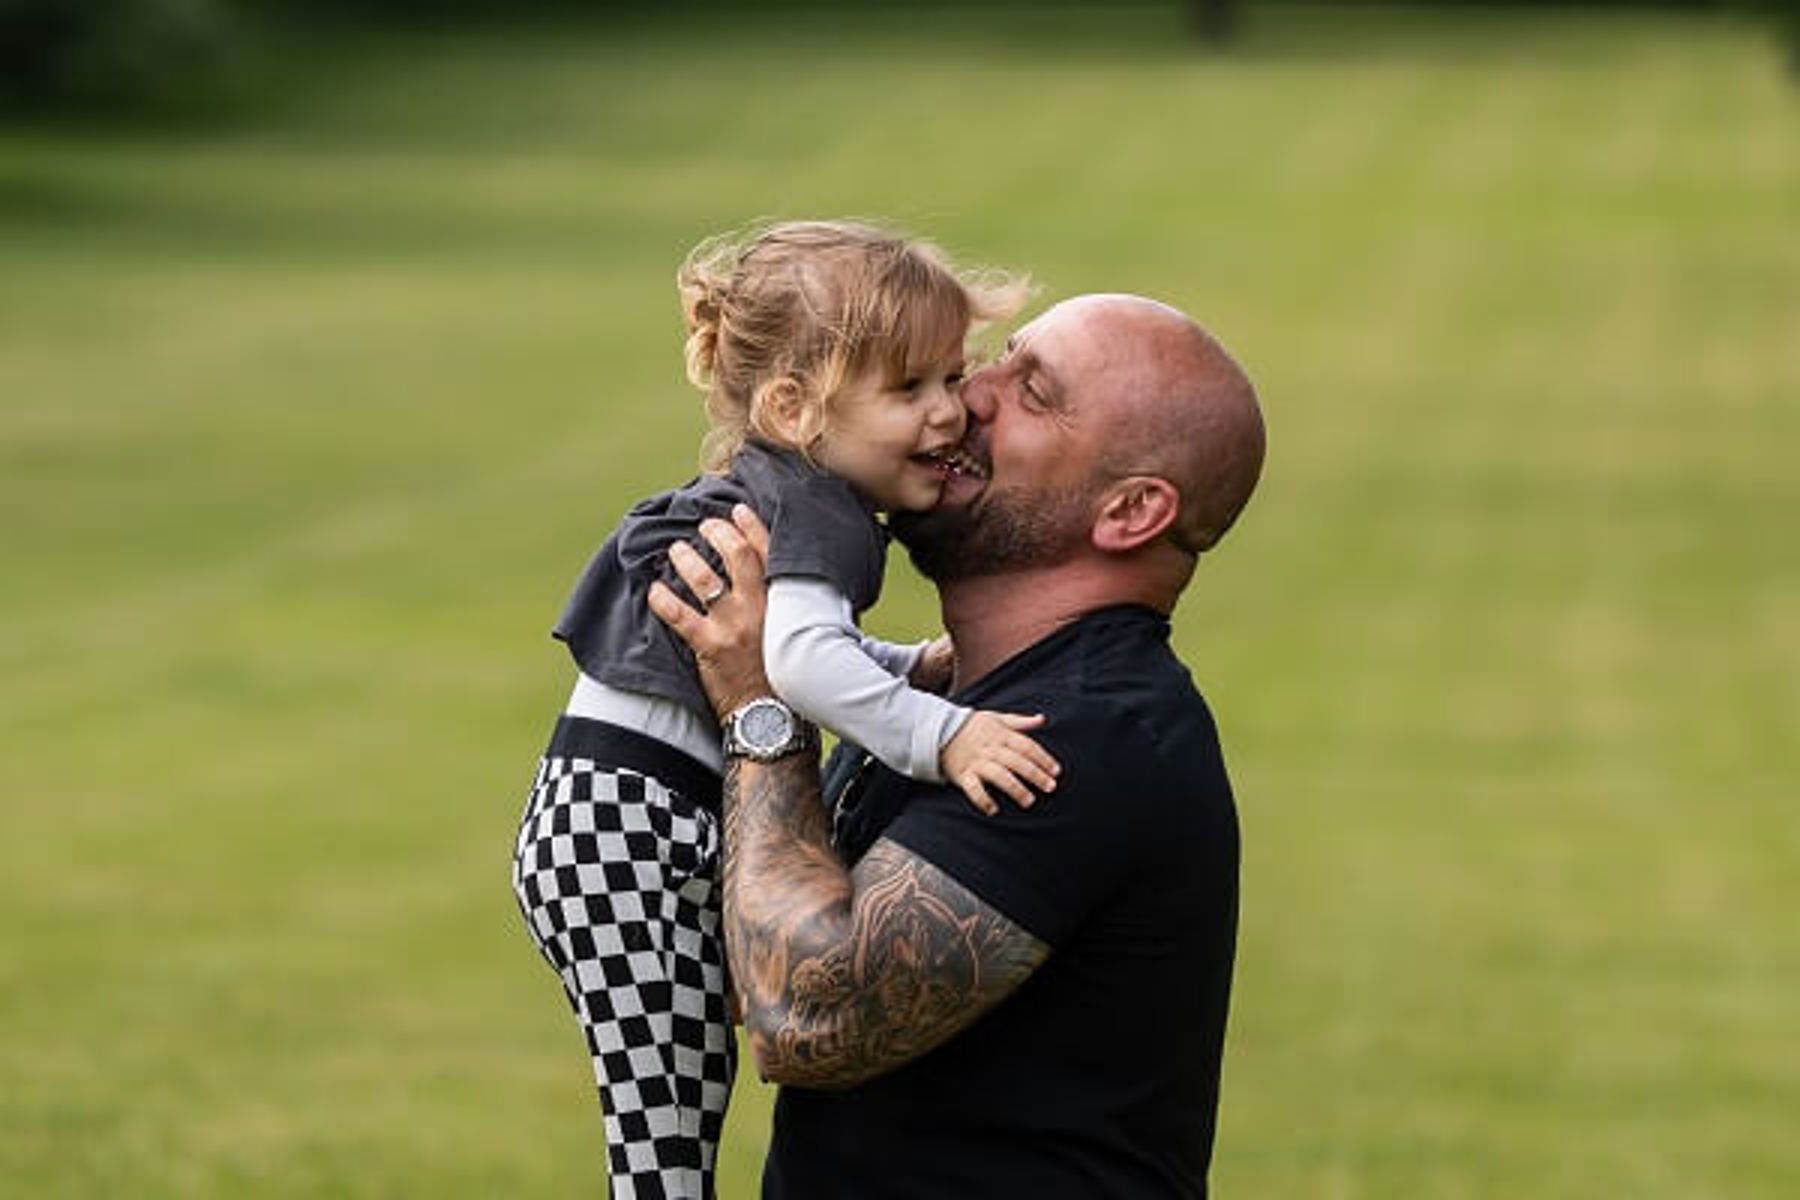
{"x": 308, "y": 418}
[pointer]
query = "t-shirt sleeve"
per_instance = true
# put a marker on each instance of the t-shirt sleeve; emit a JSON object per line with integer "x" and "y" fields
{"x": 641, "y": 543}
{"x": 818, "y": 527}
{"x": 1049, "y": 867}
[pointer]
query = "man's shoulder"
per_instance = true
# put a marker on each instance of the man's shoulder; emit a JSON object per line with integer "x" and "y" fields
{"x": 1111, "y": 673}
{"x": 1127, "y": 721}
{"x": 1122, "y": 717}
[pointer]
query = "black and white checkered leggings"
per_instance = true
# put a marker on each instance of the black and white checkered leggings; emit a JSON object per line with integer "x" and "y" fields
{"x": 616, "y": 871}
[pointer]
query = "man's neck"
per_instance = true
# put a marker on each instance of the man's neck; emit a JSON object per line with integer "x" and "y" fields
{"x": 993, "y": 617}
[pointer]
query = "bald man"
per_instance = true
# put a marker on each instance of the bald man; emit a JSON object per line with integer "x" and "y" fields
{"x": 1031, "y": 1003}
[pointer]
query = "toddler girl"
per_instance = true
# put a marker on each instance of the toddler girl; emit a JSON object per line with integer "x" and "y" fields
{"x": 831, "y": 355}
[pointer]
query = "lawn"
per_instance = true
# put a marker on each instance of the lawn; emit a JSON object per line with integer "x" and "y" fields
{"x": 309, "y": 414}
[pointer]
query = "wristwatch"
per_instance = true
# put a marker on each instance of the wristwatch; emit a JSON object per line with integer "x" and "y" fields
{"x": 766, "y": 729}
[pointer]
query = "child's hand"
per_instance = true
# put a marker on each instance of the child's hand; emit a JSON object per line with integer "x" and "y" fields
{"x": 936, "y": 666}
{"x": 990, "y": 747}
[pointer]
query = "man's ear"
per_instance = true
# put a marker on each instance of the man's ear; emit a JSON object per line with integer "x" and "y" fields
{"x": 1133, "y": 511}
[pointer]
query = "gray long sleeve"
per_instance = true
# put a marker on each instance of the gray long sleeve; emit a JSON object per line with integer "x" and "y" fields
{"x": 819, "y": 662}
{"x": 892, "y": 657}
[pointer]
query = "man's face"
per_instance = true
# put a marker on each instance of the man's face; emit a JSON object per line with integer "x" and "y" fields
{"x": 1035, "y": 423}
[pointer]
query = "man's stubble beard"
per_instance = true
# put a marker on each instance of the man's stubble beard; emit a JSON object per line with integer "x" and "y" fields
{"x": 1005, "y": 530}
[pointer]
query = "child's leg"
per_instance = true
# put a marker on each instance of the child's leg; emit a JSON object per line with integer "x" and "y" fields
{"x": 616, "y": 875}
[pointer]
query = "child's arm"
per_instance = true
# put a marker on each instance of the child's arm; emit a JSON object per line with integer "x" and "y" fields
{"x": 892, "y": 657}
{"x": 815, "y": 660}
{"x": 928, "y": 666}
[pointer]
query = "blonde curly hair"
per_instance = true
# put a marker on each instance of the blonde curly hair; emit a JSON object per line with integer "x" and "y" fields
{"x": 782, "y": 317}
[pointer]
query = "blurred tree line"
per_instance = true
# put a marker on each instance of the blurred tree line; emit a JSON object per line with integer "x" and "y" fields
{"x": 88, "y": 51}
{"x": 112, "y": 54}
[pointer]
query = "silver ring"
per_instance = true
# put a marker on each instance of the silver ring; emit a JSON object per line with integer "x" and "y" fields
{"x": 711, "y": 598}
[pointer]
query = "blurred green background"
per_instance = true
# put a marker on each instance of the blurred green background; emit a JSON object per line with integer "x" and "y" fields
{"x": 316, "y": 393}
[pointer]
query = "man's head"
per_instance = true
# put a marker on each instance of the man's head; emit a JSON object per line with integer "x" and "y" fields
{"x": 1117, "y": 438}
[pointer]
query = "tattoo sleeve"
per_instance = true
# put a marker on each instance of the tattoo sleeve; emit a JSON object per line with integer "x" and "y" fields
{"x": 843, "y": 975}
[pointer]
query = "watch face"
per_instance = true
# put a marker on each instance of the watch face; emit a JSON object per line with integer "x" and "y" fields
{"x": 764, "y": 726}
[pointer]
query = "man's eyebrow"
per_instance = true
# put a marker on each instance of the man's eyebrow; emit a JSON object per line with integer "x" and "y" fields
{"x": 1034, "y": 366}
{"x": 1023, "y": 354}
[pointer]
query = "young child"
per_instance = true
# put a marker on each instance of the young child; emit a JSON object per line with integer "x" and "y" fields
{"x": 830, "y": 354}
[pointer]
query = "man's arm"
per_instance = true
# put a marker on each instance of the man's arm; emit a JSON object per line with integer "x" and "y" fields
{"x": 845, "y": 975}
{"x": 841, "y": 975}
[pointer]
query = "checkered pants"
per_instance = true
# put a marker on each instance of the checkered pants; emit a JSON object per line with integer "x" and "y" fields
{"x": 616, "y": 871}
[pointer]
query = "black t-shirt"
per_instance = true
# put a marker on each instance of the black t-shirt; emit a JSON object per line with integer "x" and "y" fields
{"x": 818, "y": 526}
{"x": 1099, "y": 1077}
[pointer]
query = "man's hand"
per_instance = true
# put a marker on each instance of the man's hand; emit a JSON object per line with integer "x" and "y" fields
{"x": 726, "y": 636}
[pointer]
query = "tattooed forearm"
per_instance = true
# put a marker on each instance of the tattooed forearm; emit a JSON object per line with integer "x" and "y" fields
{"x": 922, "y": 958}
{"x": 844, "y": 976}
{"x": 779, "y": 873}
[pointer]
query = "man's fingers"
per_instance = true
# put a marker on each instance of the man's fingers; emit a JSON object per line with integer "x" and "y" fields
{"x": 668, "y": 606}
{"x": 701, "y": 579}
{"x": 751, "y": 526}
{"x": 742, "y": 559}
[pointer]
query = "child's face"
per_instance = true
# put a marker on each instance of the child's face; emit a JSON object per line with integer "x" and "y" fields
{"x": 886, "y": 436}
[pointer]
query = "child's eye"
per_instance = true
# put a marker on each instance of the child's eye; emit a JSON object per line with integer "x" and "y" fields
{"x": 911, "y": 384}
{"x": 953, "y": 378}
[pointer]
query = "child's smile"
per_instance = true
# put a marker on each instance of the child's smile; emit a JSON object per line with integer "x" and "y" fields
{"x": 896, "y": 440}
